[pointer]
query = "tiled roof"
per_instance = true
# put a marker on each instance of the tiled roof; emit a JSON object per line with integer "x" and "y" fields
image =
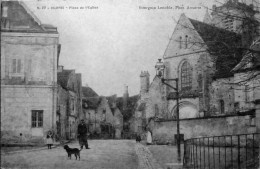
{"x": 251, "y": 60}
{"x": 88, "y": 92}
{"x": 19, "y": 18}
{"x": 112, "y": 101}
{"x": 63, "y": 78}
{"x": 131, "y": 102}
{"x": 93, "y": 102}
{"x": 222, "y": 45}
{"x": 218, "y": 40}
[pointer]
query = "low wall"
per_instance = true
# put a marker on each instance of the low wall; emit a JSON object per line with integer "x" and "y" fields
{"x": 164, "y": 131}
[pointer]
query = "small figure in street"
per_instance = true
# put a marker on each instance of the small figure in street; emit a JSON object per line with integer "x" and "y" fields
{"x": 149, "y": 137}
{"x": 49, "y": 139}
{"x": 82, "y": 134}
{"x": 138, "y": 138}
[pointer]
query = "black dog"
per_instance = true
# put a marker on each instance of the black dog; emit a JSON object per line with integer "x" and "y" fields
{"x": 74, "y": 151}
{"x": 138, "y": 138}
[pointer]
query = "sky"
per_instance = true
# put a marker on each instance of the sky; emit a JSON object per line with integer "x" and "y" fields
{"x": 112, "y": 44}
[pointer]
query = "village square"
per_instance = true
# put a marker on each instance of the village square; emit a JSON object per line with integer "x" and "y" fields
{"x": 198, "y": 106}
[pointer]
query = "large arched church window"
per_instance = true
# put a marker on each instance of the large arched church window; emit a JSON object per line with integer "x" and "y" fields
{"x": 186, "y": 79}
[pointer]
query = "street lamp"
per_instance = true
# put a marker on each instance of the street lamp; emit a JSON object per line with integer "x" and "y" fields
{"x": 160, "y": 67}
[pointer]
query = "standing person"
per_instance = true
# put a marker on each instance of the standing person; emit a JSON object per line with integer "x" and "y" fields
{"x": 49, "y": 139}
{"x": 149, "y": 137}
{"x": 82, "y": 134}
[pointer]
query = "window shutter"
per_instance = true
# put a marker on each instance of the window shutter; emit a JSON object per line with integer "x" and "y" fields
{"x": 40, "y": 118}
{"x": 14, "y": 65}
{"x": 19, "y": 66}
{"x": 33, "y": 119}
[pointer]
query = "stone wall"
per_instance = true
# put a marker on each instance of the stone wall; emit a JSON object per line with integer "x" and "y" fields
{"x": 222, "y": 90}
{"x": 63, "y": 110}
{"x": 28, "y": 82}
{"x": 17, "y": 103}
{"x": 118, "y": 123}
{"x": 37, "y": 57}
{"x": 245, "y": 96}
{"x": 164, "y": 131}
{"x": 155, "y": 104}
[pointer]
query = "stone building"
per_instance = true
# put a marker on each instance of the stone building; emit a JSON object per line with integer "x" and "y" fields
{"x": 62, "y": 109}
{"x": 69, "y": 102}
{"x": 151, "y": 103}
{"x": 240, "y": 17}
{"x": 247, "y": 80}
{"x": 195, "y": 56}
{"x": 98, "y": 114}
{"x": 29, "y": 51}
{"x": 210, "y": 67}
{"x": 127, "y": 105}
{"x": 118, "y": 117}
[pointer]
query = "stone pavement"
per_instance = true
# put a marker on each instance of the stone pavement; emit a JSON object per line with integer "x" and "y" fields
{"x": 104, "y": 154}
{"x": 55, "y": 145}
{"x": 107, "y": 154}
{"x": 147, "y": 161}
{"x": 145, "y": 158}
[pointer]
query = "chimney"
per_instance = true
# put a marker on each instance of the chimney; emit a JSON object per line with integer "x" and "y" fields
{"x": 144, "y": 82}
{"x": 60, "y": 68}
{"x": 125, "y": 97}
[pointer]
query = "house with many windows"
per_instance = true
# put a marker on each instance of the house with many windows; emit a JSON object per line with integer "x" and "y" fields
{"x": 69, "y": 102}
{"x": 29, "y": 52}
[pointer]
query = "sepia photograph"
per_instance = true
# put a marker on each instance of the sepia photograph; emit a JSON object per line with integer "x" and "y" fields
{"x": 130, "y": 84}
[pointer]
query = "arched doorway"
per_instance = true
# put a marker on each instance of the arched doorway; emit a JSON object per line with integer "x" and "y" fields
{"x": 186, "y": 110}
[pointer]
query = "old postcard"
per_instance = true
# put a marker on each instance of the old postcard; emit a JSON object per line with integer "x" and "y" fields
{"x": 133, "y": 84}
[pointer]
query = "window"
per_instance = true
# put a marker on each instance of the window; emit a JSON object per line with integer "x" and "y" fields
{"x": 156, "y": 110}
{"x": 228, "y": 23}
{"x": 186, "y": 76}
{"x": 72, "y": 106}
{"x": 222, "y": 106}
{"x": 37, "y": 118}
{"x": 236, "y": 106}
{"x": 180, "y": 42}
{"x": 246, "y": 93}
{"x": 186, "y": 41}
{"x": 16, "y": 65}
{"x": 5, "y": 11}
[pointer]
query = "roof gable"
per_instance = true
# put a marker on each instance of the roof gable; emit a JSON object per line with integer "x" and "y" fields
{"x": 20, "y": 18}
{"x": 88, "y": 92}
{"x": 183, "y": 29}
{"x": 217, "y": 40}
{"x": 93, "y": 102}
{"x": 222, "y": 45}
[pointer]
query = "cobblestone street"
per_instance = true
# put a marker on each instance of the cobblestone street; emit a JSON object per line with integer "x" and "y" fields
{"x": 107, "y": 154}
